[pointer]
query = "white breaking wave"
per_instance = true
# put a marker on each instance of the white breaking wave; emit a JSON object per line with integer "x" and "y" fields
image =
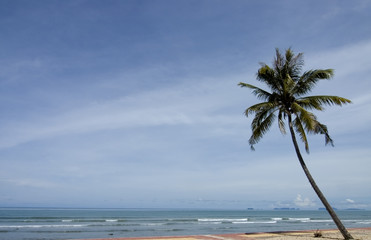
{"x": 153, "y": 224}
{"x": 263, "y": 222}
{"x": 304, "y": 220}
{"x": 222, "y": 220}
{"x": 300, "y": 219}
{"x": 365, "y": 222}
{"x": 233, "y": 221}
{"x": 42, "y": 226}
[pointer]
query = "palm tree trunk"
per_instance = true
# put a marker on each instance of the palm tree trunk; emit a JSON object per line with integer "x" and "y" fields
{"x": 328, "y": 207}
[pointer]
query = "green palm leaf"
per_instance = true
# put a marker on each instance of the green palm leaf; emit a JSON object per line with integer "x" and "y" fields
{"x": 268, "y": 76}
{"x": 260, "y": 125}
{"x": 258, "y": 108}
{"x": 307, "y": 118}
{"x": 300, "y": 130}
{"x": 322, "y": 129}
{"x": 258, "y": 92}
{"x": 316, "y": 102}
{"x": 309, "y": 79}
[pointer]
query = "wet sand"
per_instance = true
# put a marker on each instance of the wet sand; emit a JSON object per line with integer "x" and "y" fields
{"x": 331, "y": 234}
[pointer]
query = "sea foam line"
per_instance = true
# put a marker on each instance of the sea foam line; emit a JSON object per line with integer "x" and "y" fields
{"x": 93, "y": 220}
{"x": 364, "y": 222}
{"x": 41, "y": 226}
{"x": 259, "y": 222}
{"x": 222, "y": 220}
{"x": 299, "y": 219}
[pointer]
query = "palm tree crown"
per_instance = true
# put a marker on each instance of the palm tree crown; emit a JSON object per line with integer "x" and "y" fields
{"x": 286, "y": 98}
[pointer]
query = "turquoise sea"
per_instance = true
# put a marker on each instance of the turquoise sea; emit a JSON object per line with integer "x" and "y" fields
{"x": 30, "y": 224}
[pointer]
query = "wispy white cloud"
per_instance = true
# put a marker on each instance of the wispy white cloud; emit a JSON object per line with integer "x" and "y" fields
{"x": 179, "y": 105}
{"x": 350, "y": 63}
{"x": 29, "y": 183}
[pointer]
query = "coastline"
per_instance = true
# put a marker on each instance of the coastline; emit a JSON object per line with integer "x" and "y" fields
{"x": 35, "y": 224}
{"x": 328, "y": 234}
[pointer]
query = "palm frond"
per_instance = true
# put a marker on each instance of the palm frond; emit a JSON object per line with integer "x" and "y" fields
{"x": 293, "y": 64}
{"x": 288, "y": 84}
{"x": 309, "y": 79}
{"x": 309, "y": 104}
{"x": 279, "y": 61}
{"x": 281, "y": 123}
{"x": 268, "y": 76}
{"x": 259, "y": 107}
{"x": 261, "y": 124}
{"x": 258, "y": 92}
{"x": 306, "y": 117}
{"x": 287, "y": 67}
{"x": 297, "y": 64}
{"x": 316, "y": 102}
{"x": 300, "y": 130}
{"x": 322, "y": 129}
{"x": 279, "y": 68}
{"x": 260, "y": 117}
{"x": 311, "y": 125}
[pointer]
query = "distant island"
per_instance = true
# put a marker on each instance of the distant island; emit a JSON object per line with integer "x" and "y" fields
{"x": 347, "y": 209}
{"x": 287, "y": 209}
{"x": 298, "y": 209}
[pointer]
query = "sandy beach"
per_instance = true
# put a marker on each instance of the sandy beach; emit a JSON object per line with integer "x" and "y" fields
{"x": 331, "y": 234}
{"x": 364, "y": 234}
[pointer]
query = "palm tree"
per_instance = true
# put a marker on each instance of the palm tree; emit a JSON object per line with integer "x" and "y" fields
{"x": 286, "y": 100}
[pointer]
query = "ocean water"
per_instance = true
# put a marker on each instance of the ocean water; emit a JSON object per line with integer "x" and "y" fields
{"x": 32, "y": 224}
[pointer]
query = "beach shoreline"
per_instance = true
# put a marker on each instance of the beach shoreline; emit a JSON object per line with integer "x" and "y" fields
{"x": 35, "y": 224}
{"x": 327, "y": 234}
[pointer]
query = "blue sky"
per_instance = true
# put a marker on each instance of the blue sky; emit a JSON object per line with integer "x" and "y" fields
{"x": 136, "y": 103}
